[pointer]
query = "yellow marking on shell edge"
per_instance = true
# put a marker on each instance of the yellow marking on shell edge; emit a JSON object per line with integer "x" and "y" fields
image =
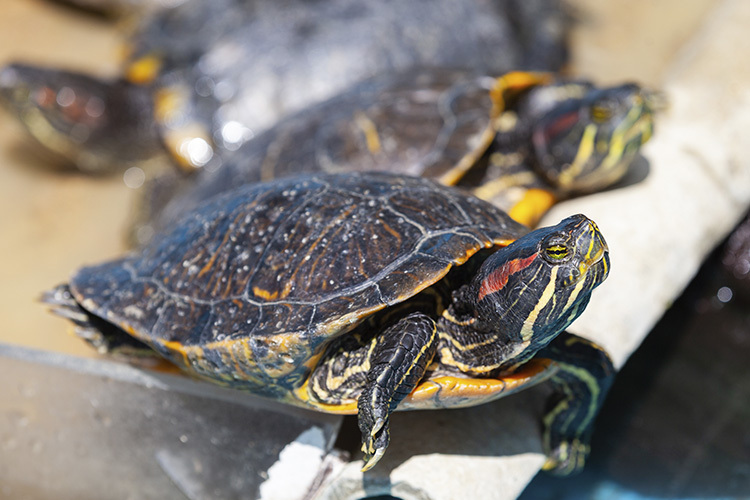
{"x": 514, "y": 81}
{"x": 178, "y": 348}
{"x": 370, "y": 131}
{"x": 166, "y": 101}
{"x": 585, "y": 149}
{"x": 129, "y": 330}
{"x": 455, "y": 174}
{"x": 454, "y": 392}
{"x": 527, "y": 330}
{"x": 144, "y": 70}
{"x": 178, "y": 140}
{"x": 265, "y": 294}
{"x": 534, "y": 204}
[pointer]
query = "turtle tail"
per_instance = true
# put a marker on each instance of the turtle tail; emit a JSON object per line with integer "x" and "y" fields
{"x": 100, "y": 334}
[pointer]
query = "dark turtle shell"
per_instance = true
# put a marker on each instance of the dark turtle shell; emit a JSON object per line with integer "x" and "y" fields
{"x": 276, "y": 271}
{"x": 431, "y": 122}
{"x": 232, "y": 68}
{"x": 439, "y": 123}
{"x": 216, "y": 73}
{"x": 251, "y": 62}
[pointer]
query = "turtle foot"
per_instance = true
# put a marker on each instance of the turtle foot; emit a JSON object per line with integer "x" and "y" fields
{"x": 567, "y": 459}
{"x": 374, "y": 443}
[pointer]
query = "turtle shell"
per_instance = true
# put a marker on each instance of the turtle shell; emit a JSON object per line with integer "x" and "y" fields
{"x": 202, "y": 78}
{"x": 225, "y": 70}
{"x": 424, "y": 122}
{"x": 250, "y": 288}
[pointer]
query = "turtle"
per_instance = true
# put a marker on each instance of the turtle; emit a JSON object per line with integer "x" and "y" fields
{"x": 120, "y": 8}
{"x": 362, "y": 293}
{"x": 202, "y": 78}
{"x": 522, "y": 140}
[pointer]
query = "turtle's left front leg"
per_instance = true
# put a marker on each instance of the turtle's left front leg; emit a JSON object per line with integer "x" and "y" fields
{"x": 398, "y": 361}
{"x": 584, "y": 376}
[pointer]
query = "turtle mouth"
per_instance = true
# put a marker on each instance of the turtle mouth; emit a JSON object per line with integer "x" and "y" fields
{"x": 594, "y": 271}
{"x": 598, "y": 269}
{"x": 656, "y": 101}
{"x": 595, "y": 262}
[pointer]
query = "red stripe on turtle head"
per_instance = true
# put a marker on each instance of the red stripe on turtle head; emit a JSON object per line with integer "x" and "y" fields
{"x": 563, "y": 123}
{"x": 498, "y": 278}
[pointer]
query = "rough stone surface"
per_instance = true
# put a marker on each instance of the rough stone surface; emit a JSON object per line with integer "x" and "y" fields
{"x": 450, "y": 454}
{"x": 73, "y": 428}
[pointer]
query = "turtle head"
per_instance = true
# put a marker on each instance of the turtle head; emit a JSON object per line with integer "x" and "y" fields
{"x": 586, "y": 142}
{"x": 535, "y": 287}
{"x": 94, "y": 124}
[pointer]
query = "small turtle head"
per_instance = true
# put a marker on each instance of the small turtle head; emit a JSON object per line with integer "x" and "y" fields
{"x": 92, "y": 123}
{"x": 535, "y": 287}
{"x": 587, "y": 143}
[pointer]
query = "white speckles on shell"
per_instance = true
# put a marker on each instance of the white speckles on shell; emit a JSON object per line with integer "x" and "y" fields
{"x": 134, "y": 311}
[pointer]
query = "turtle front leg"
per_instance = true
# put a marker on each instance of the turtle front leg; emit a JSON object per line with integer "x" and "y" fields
{"x": 581, "y": 383}
{"x": 399, "y": 358}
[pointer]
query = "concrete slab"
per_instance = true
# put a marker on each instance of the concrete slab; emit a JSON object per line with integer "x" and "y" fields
{"x": 73, "y": 428}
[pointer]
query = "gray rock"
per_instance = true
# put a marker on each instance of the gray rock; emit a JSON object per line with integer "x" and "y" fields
{"x": 78, "y": 428}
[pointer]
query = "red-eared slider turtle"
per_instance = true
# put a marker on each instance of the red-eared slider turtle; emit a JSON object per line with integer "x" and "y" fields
{"x": 362, "y": 293}
{"x": 206, "y": 76}
{"x": 122, "y": 8}
{"x": 548, "y": 139}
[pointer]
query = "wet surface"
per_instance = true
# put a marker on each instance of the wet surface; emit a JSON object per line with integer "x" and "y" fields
{"x": 52, "y": 220}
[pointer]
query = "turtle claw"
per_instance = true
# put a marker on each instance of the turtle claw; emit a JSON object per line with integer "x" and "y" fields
{"x": 371, "y": 460}
{"x": 567, "y": 459}
{"x": 375, "y": 443}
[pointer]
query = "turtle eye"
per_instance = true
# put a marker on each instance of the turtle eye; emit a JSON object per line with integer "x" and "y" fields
{"x": 601, "y": 112}
{"x": 556, "y": 252}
